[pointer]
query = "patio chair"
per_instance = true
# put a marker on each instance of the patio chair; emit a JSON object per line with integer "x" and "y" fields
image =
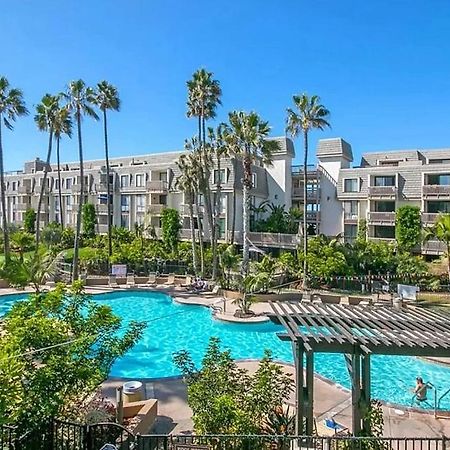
{"x": 151, "y": 279}
{"x": 214, "y": 292}
{"x": 170, "y": 279}
{"x": 131, "y": 281}
{"x": 329, "y": 427}
{"x": 187, "y": 281}
{"x": 112, "y": 282}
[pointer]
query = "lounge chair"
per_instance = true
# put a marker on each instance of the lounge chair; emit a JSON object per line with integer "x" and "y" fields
{"x": 187, "y": 282}
{"x": 131, "y": 282}
{"x": 170, "y": 279}
{"x": 329, "y": 427}
{"x": 112, "y": 282}
{"x": 151, "y": 279}
{"x": 214, "y": 292}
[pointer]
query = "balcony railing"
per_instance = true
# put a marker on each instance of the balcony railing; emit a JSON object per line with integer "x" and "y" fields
{"x": 381, "y": 239}
{"x": 433, "y": 247}
{"x": 21, "y": 206}
{"x": 429, "y": 218}
{"x": 157, "y": 186}
{"x": 434, "y": 190}
{"x": 102, "y": 209}
{"x": 24, "y": 189}
{"x": 382, "y": 191}
{"x": 298, "y": 192}
{"x": 103, "y": 187}
{"x": 350, "y": 217}
{"x": 130, "y": 188}
{"x": 382, "y": 217}
{"x": 194, "y": 209}
{"x": 77, "y": 188}
{"x": 312, "y": 216}
{"x": 268, "y": 239}
{"x": 155, "y": 209}
{"x": 310, "y": 169}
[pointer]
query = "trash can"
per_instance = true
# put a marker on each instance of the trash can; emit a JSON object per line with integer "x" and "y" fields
{"x": 132, "y": 392}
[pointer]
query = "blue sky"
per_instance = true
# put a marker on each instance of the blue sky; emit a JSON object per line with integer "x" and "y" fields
{"x": 382, "y": 67}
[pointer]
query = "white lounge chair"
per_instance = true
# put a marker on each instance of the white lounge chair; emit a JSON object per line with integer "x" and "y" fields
{"x": 214, "y": 292}
{"x": 151, "y": 279}
{"x": 112, "y": 282}
{"x": 131, "y": 282}
{"x": 170, "y": 279}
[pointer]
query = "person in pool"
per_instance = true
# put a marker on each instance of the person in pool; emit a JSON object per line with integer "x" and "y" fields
{"x": 420, "y": 390}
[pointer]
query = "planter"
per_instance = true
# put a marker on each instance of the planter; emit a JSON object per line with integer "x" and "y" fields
{"x": 243, "y": 315}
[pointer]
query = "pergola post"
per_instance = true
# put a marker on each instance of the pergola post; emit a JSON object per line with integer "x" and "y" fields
{"x": 365, "y": 391}
{"x": 355, "y": 370}
{"x": 299, "y": 397}
{"x": 309, "y": 394}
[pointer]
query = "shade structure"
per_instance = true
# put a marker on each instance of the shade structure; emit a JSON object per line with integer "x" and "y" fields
{"x": 358, "y": 332}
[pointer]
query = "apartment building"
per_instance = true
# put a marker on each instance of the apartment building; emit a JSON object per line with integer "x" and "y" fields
{"x": 338, "y": 195}
{"x": 142, "y": 186}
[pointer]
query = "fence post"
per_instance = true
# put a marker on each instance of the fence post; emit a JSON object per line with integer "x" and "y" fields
{"x": 87, "y": 437}
{"x": 51, "y": 433}
{"x": 444, "y": 440}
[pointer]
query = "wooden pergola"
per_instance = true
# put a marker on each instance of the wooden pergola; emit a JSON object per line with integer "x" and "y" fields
{"x": 358, "y": 332}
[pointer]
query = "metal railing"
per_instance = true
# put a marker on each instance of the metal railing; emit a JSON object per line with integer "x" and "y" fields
{"x": 382, "y": 217}
{"x": 436, "y": 190}
{"x": 382, "y": 191}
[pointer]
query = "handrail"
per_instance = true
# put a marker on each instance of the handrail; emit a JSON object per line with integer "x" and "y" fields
{"x": 286, "y": 284}
{"x": 441, "y": 397}
{"x": 425, "y": 386}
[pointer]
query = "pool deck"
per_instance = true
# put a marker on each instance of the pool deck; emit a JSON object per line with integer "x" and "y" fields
{"x": 174, "y": 414}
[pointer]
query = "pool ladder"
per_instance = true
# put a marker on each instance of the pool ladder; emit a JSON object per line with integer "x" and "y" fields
{"x": 438, "y": 413}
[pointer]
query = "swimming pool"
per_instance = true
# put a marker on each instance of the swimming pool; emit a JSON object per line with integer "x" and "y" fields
{"x": 173, "y": 327}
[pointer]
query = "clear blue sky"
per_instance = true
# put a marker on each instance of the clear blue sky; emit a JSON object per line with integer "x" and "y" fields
{"x": 382, "y": 67}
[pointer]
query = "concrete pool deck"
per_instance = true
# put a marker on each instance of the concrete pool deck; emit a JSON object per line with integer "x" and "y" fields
{"x": 174, "y": 414}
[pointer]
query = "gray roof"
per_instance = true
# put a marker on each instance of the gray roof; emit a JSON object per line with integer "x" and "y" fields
{"x": 334, "y": 147}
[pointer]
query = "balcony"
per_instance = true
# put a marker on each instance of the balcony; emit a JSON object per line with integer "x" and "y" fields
{"x": 126, "y": 189}
{"x": 185, "y": 209}
{"x": 436, "y": 191}
{"x": 380, "y": 239}
{"x": 21, "y": 206}
{"x": 76, "y": 188}
{"x": 155, "y": 209}
{"x": 157, "y": 186}
{"x": 429, "y": 218}
{"x": 297, "y": 192}
{"x": 312, "y": 216}
{"x": 350, "y": 218}
{"x": 381, "y": 218}
{"x": 278, "y": 240}
{"x": 24, "y": 190}
{"x": 103, "y": 187}
{"x": 102, "y": 228}
{"x": 383, "y": 192}
{"x": 102, "y": 209}
{"x": 311, "y": 171}
{"x": 433, "y": 248}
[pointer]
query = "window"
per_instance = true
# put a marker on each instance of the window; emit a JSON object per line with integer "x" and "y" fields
{"x": 219, "y": 176}
{"x": 68, "y": 183}
{"x": 222, "y": 227}
{"x": 162, "y": 176}
{"x": 388, "y": 163}
{"x": 125, "y": 203}
{"x": 438, "y": 207}
{"x": 442, "y": 179}
{"x": 163, "y": 199}
{"x": 439, "y": 161}
{"x": 384, "y": 232}
{"x": 124, "y": 181}
{"x": 103, "y": 199}
{"x": 254, "y": 180}
{"x": 350, "y": 232}
{"x": 384, "y": 206}
{"x": 351, "y": 209}
{"x": 384, "y": 180}
{"x": 57, "y": 184}
{"x": 14, "y": 184}
{"x": 139, "y": 180}
{"x": 351, "y": 185}
{"x": 124, "y": 221}
{"x": 140, "y": 203}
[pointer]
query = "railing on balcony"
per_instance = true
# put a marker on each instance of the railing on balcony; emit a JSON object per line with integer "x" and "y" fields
{"x": 102, "y": 228}
{"x": 200, "y": 211}
{"x": 298, "y": 192}
{"x": 102, "y": 209}
{"x": 350, "y": 217}
{"x": 434, "y": 190}
{"x": 382, "y": 217}
{"x": 429, "y": 218}
{"x": 382, "y": 191}
{"x": 21, "y": 206}
{"x": 24, "y": 189}
{"x": 77, "y": 188}
{"x": 312, "y": 216}
{"x": 157, "y": 186}
{"x": 130, "y": 188}
{"x": 298, "y": 169}
{"x": 268, "y": 239}
{"x": 155, "y": 209}
{"x": 433, "y": 247}
{"x": 382, "y": 239}
{"x": 103, "y": 187}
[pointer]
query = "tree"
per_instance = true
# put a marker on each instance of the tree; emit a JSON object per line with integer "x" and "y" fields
{"x": 52, "y": 235}
{"x": 82, "y": 339}
{"x": 247, "y": 140}
{"x": 186, "y": 183}
{"x": 107, "y": 98}
{"x": 79, "y": 99}
{"x": 21, "y": 242}
{"x": 309, "y": 114}
{"x": 408, "y": 227}
{"x": 45, "y": 118}
{"x": 11, "y": 107}
{"x": 171, "y": 226}
{"x": 229, "y": 260}
{"x": 62, "y": 124}
{"x": 441, "y": 231}
{"x": 204, "y": 94}
{"x": 29, "y": 221}
{"x": 228, "y": 400}
{"x": 89, "y": 220}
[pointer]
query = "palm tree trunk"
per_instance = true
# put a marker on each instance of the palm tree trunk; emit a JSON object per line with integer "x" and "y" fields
{"x": 448, "y": 261}
{"x": 200, "y": 235}
{"x": 305, "y": 223}
{"x": 76, "y": 246}
{"x": 3, "y": 200}
{"x": 245, "y": 213}
{"x": 216, "y": 228}
{"x": 194, "y": 248}
{"x": 43, "y": 186}
{"x": 108, "y": 186}
{"x": 61, "y": 209}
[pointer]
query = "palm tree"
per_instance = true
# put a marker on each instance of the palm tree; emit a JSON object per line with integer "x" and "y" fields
{"x": 11, "y": 107}
{"x": 62, "y": 124}
{"x": 309, "y": 114}
{"x": 186, "y": 183}
{"x": 204, "y": 94}
{"x": 441, "y": 231}
{"x": 45, "y": 118}
{"x": 107, "y": 98}
{"x": 79, "y": 99}
{"x": 247, "y": 138}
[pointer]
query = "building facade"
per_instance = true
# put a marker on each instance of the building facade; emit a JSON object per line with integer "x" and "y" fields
{"x": 338, "y": 196}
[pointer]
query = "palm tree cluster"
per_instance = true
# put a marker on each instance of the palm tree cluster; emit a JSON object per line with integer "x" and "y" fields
{"x": 55, "y": 115}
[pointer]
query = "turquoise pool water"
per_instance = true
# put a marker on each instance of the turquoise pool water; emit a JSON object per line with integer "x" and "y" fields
{"x": 172, "y": 327}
